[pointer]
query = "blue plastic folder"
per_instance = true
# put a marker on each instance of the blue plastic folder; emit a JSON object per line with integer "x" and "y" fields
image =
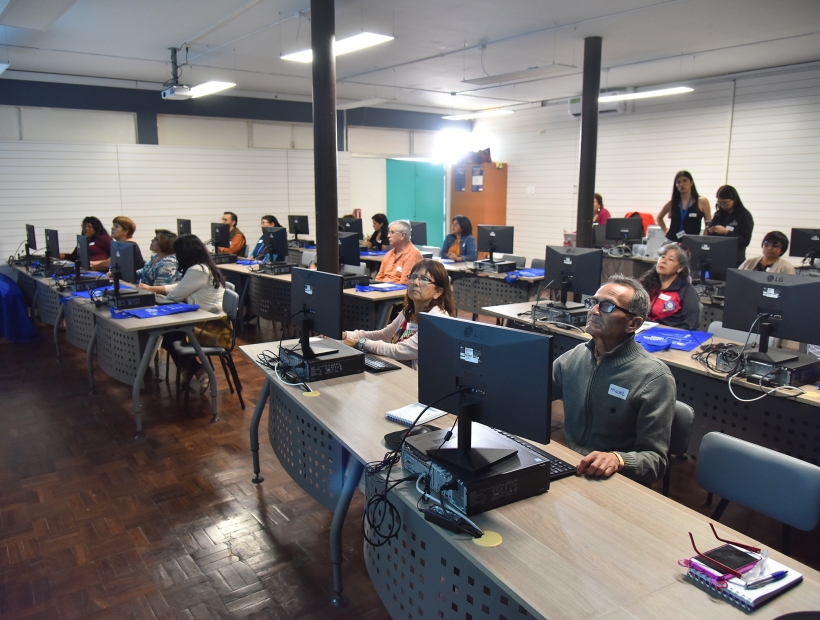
{"x": 382, "y": 289}
{"x": 663, "y": 338}
{"x": 153, "y": 311}
{"x": 247, "y": 261}
{"x": 512, "y": 276}
{"x": 373, "y": 252}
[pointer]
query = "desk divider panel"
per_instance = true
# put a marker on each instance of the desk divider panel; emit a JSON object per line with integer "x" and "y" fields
{"x": 48, "y": 301}
{"x": 709, "y": 315}
{"x": 79, "y": 324}
{"x": 359, "y": 314}
{"x": 28, "y": 286}
{"x": 270, "y": 299}
{"x": 119, "y": 352}
{"x": 474, "y": 293}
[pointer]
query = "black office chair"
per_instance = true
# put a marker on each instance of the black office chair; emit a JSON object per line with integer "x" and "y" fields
{"x": 679, "y": 439}
{"x": 520, "y": 261}
{"x": 537, "y": 263}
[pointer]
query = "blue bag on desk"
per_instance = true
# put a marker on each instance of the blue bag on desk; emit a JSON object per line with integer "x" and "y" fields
{"x": 662, "y": 338}
{"x": 512, "y": 276}
{"x": 361, "y": 288}
{"x": 153, "y": 311}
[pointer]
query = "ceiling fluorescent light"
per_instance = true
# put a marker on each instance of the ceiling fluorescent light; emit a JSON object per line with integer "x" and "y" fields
{"x": 479, "y": 114}
{"x": 646, "y": 94}
{"x": 350, "y": 105}
{"x": 533, "y": 73}
{"x": 209, "y": 88}
{"x": 344, "y": 46}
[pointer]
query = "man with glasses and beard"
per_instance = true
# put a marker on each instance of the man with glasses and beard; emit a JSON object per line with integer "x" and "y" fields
{"x": 619, "y": 400}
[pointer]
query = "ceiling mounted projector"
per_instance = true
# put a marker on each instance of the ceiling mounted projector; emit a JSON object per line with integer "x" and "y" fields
{"x": 177, "y": 92}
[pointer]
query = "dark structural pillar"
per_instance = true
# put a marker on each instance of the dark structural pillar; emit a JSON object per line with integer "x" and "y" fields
{"x": 589, "y": 140}
{"x": 322, "y": 34}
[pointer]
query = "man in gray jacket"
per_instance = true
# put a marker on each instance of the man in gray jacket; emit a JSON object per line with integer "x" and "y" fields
{"x": 619, "y": 400}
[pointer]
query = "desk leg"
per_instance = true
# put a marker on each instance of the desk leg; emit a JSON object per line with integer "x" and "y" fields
{"x": 383, "y": 315}
{"x": 354, "y": 473}
{"x": 242, "y": 298}
{"x": 34, "y": 301}
{"x": 257, "y": 415}
{"x": 89, "y": 357}
{"x": 145, "y": 362}
{"x": 189, "y": 329}
{"x": 57, "y": 322}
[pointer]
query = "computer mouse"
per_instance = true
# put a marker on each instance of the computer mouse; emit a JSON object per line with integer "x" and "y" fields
{"x": 393, "y": 440}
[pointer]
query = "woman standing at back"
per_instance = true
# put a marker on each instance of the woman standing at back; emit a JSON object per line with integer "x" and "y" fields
{"x": 686, "y": 209}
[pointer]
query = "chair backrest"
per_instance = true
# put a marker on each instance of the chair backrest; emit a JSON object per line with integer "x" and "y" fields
{"x": 430, "y": 248}
{"x": 520, "y": 261}
{"x": 777, "y": 485}
{"x": 230, "y": 303}
{"x": 246, "y": 250}
{"x": 359, "y": 270}
{"x": 308, "y": 256}
{"x": 717, "y": 329}
{"x": 537, "y": 263}
{"x": 681, "y": 428}
{"x": 230, "y": 286}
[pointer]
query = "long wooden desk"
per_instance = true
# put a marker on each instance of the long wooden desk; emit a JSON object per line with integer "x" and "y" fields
{"x": 587, "y": 548}
{"x": 474, "y": 291}
{"x": 788, "y": 424}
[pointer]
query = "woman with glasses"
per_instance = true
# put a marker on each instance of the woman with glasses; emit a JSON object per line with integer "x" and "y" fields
{"x": 732, "y": 219}
{"x": 774, "y": 247}
{"x": 162, "y": 268}
{"x": 686, "y": 209}
{"x": 673, "y": 301}
{"x": 460, "y": 244}
{"x": 99, "y": 243}
{"x": 123, "y": 229}
{"x": 428, "y": 290}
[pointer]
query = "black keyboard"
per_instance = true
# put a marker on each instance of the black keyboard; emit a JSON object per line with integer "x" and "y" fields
{"x": 558, "y": 468}
{"x": 373, "y": 363}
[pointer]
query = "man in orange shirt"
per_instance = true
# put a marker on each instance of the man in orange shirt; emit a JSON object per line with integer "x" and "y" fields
{"x": 237, "y": 238}
{"x": 398, "y": 262}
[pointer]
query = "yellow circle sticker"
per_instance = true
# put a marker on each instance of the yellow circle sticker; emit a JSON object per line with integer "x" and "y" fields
{"x": 490, "y": 539}
{"x": 311, "y": 394}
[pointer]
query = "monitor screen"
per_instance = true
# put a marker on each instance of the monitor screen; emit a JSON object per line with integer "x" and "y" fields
{"x": 573, "y": 269}
{"x": 710, "y": 256}
{"x": 495, "y": 239}
{"x": 508, "y": 370}
{"x": 418, "y": 233}
{"x": 805, "y": 243}
{"x": 351, "y": 225}
{"x": 349, "y": 248}
{"x": 784, "y": 300}
{"x": 184, "y": 227}
{"x": 122, "y": 258}
{"x": 82, "y": 252}
{"x": 318, "y": 296}
{"x": 599, "y": 236}
{"x": 52, "y": 243}
{"x": 624, "y": 229}
{"x": 298, "y": 225}
{"x": 276, "y": 243}
{"x": 31, "y": 238}
{"x": 220, "y": 235}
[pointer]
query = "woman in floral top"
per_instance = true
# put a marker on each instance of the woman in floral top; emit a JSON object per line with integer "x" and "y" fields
{"x": 162, "y": 269}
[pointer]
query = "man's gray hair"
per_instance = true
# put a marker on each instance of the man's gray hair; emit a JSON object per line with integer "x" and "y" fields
{"x": 403, "y": 226}
{"x": 639, "y": 306}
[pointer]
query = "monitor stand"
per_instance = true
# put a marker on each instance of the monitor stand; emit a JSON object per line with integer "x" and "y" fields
{"x": 309, "y": 352}
{"x": 564, "y": 304}
{"x": 777, "y": 356}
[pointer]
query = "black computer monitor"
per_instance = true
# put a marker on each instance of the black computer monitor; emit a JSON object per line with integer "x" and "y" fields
{"x": 784, "y": 301}
{"x": 220, "y": 235}
{"x": 506, "y": 375}
{"x": 318, "y": 296}
{"x": 599, "y": 236}
{"x": 624, "y": 229}
{"x": 31, "y": 238}
{"x": 418, "y": 233}
{"x": 298, "y": 225}
{"x": 52, "y": 245}
{"x": 495, "y": 239}
{"x": 276, "y": 243}
{"x": 122, "y": 260}
{"x": 184, "y": 227}
{"x": 805, "y": 243}
{"x": 82, "y": 252}
{"x": 572, "y": 269}
{"x": 351, "y": 225}
{"x": 349, "y": 248}
{"x": 710, "y": 256}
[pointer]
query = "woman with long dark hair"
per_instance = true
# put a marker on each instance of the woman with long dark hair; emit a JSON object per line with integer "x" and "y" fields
{"x": 204, "y": 285}
{"x": 460, "y": 244}
{"x": 686, "y": 210}
{"x": 99, "y": 243}
{"x": 378, "y": 240}
{"x": 428, "y": 290}
{"x": 673, "y": 301}
{"x": 732, "y": 219}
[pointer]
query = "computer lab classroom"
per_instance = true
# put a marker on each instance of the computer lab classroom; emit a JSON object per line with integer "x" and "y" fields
{"x": 124, "y": 494}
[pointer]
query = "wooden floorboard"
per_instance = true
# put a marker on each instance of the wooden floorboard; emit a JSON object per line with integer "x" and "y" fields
{"x": 97, "y": 524}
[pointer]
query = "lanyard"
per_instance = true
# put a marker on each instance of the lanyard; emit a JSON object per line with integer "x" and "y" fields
{"x": 684, "y": 213}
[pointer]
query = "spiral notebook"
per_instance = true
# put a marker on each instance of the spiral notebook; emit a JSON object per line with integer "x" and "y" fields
{"x": 407, "y": 415}
{"x": 735, "y": 591}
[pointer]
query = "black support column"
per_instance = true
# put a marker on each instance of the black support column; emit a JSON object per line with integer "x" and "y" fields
{"x": 589, "y": 140}
{"x": 322, "y": 34}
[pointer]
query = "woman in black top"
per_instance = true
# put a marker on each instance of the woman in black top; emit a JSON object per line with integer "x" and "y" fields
{"x": 378, "y": 240}
{"x": 732, "y": 219}
{"x": 686, "y": 209}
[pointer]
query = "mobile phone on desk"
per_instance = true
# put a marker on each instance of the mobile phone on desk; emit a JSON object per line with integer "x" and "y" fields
{"x": 728, "y": 555}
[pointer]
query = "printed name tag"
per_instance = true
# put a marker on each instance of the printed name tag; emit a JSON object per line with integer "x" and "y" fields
{"x": 92, "y": 243}
{"x": 664, "y": 296}
{"x": 619, "y": 392}
{"x": 398, "y": 268}
{"x": 730, "y": 228}
{"x": 680, "y": 234}
{"x": 694, "y": 214}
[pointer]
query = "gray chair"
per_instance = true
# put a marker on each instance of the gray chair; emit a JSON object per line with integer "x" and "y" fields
{"x": 679, "y": 439}
{"x": 430, "y": 248}
{"x": 230, "y": 305}
{"x": 537, "y": 263}
{"x": 308, "y": 256}
{"x": 357, "y": 270}
{"x": 520, "y": 261}
{"x": 777, "y": 485}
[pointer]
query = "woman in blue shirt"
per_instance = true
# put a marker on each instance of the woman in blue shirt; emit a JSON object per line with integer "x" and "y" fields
{"x": 162, "y": 269}
{"x": 460, "y": 245}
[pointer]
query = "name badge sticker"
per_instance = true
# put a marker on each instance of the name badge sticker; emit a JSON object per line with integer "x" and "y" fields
{"x": 694, "y": 214}
{"x": 618, "y": 391}
{"x": 664, "y": 296}
{"x": 399, "y": 269}
{"x": 680, "y": 234}
{"x": 730, "y": 228}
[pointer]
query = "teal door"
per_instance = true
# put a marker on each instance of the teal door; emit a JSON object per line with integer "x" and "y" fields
{"x": 415, "y": 191}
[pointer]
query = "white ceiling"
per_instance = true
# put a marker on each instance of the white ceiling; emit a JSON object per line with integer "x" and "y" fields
{"x": 438, "y": 44}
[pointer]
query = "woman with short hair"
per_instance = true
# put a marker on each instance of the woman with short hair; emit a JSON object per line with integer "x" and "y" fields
{"x": 122, "y": 230}
{"x": 774, "y": 247}
{"x": 673, "y": 301}
{"x": 162, "y": 268}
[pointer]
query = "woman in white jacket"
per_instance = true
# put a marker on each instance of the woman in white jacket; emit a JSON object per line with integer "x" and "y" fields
{"x": 428, "y": 290}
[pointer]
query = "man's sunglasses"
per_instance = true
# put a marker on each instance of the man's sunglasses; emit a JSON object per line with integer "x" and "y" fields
{"x": 603, "y": 305}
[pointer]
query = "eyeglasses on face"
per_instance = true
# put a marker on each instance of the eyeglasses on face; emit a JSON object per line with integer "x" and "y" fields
{"x": 604, "y": 305}
{"x": 725, "y": 203}
{"x": 771, "y": 244}
{"x": 390, "y": 231}
{"x": 423, "y": 279}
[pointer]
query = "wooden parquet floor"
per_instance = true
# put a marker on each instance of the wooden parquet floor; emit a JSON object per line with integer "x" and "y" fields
{"x": 96, "y": 524}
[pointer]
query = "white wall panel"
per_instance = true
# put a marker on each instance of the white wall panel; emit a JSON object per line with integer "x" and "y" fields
{"x": 9, "y": 122}
{"x": 78, "y": 126}
{"x": 424, "y": 143}
{"x": 303, "y": 137}
{"x": 367, "y": 140}
{"x": 271, "y": 135}
{"x": 368, "y": 187}
{"x": 190, "y": 131}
